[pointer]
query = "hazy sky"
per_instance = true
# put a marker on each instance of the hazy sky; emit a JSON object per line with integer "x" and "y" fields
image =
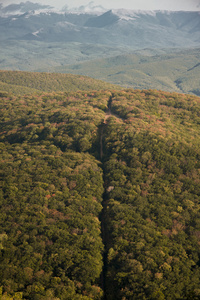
{"x": 129, "y": 4}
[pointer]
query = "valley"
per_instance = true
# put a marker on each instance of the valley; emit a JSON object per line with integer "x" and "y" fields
{"x": 172, "y": 71}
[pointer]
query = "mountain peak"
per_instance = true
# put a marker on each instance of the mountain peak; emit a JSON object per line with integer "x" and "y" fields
{"x": 105, "y": 19}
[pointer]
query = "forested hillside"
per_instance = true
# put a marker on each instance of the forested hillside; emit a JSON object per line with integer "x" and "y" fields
{"x": 152, "y": 203}
{"x": 20, "y": 83}
{"x": 171, "y": 71}
{"x": 100, "y": 195}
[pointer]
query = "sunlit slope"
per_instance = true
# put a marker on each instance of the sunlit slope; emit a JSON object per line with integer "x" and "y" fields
{"x": 18, "y": 82}
{"x": 99, "y": 195}
{"x": 151, "y": 207}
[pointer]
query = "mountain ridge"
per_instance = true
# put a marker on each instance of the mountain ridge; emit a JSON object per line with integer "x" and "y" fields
{"x": 143, "y": 26}
{"x": 52, "y": 41}
{"x": 20, "y": 82}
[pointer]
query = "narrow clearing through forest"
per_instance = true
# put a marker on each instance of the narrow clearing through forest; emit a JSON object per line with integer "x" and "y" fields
{"x": 104, "y": 232}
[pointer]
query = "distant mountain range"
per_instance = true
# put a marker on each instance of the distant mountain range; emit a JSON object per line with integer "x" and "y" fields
{"x": 119, "y": 28}
{"x": 35, "y": 37}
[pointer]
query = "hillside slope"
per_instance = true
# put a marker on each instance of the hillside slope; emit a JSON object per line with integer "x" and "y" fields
{"x": 19, "y": 83}
{"x": 100, "y": 195}
{"x": 178, "y": 71}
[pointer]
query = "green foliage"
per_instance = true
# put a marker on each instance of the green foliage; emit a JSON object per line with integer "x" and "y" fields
{"x": 50, "y": 232}
{"x": 152, "y": 163}
{"x": 51, "y": 194}
{"x": 20, "y": 83}
{"x": 52, "y": 191}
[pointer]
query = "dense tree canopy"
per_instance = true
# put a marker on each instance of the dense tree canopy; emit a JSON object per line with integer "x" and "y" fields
{"x": 100, "y": 177}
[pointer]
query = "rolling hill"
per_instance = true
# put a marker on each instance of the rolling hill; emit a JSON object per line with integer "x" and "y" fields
{"x": 178, "y": 71}
{"x": 19, "y": 83}
{"x": 99, "y": 194}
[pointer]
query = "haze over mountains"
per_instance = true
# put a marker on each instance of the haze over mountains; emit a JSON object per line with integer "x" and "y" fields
{"x": 142, "y": 70}
{"x": 125, "y": 28}
{"x": 35, "y": 37}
